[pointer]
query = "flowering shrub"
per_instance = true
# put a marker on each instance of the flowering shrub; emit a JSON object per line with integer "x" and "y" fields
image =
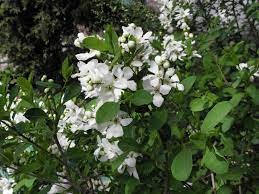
{"x": 142, "y": 113}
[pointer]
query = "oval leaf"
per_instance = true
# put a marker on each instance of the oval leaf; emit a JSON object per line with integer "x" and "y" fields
{"x": 211, "y": 161}
{"x": 73, "y": 90}
{"x": 141, "y": 97}
{"x": 188, "y": 83}
{"x": 94, "y": 43}
{"x": 215, "y": 115}
{"x": 35, "y": 114}
{"x": 182, "y": 165}
{"x": 107, "y": 112}
{"x": 158, "y": 119}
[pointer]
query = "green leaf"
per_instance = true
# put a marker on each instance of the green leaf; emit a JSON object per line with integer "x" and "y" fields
{"x": 158, "y": 119}
{"x": 95, "y": 43}
{"x": 215, "y": 115}
{"x": 107, "y": 112}
{"x": 188, "y": 83}
{"x": 236, "y": 99}
{"x": 13, "y": 93}
{"x": 224, "y": 190}
{"x": 35, "y": 114}
{"x": 24, "y": 182}
{"x": 25, "y": 85}
{"x": 111, "y": 39}
{"x": 227, "y": 123}
{"x": 131, "y": 185}
{"x": 199, "y": 140}
{"x": 47, "y": 84}
{"x": 67, "y": 69}
{"x": 141, "y": 97}
{"x": 4, "y": 115}
{"x": 198, "y": 104}
{"x": 215, "y": 164}
{"x": 73, "y": 90}
{"x": 253, "y": 92}
{"x": 182, "y": 165}
{"x": 118, "y": 161}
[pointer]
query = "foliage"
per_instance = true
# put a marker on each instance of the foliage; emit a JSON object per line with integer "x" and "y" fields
{"x": 38, "y": 35}
{"x": 123, "y": 122}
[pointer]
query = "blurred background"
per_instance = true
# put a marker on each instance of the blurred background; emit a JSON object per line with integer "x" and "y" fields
{"x": 36, "y": 35}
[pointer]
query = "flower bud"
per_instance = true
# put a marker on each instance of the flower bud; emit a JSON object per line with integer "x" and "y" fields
{"x": 166, "y": 64}
{"x": 131, "y": 44}
{"x": 43, "y": 78}
{"x": 163, "y": 57}
{"x": 122, "y": 39}
{"x": 46, "y": 90}
{"x": 191, "y": 35}
{"x": 158, "y": 60}
{"x": 50, "y": 80}
{"x": 132, "y": 25}
{"x": 98, "y": 53}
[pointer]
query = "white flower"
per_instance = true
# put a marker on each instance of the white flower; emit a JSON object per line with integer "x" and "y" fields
{"x": 18, "y": 117}
{"x": 5, "y": 185}
{"x": 87, "y": 55}
{"x": 115, "y": 128}
{"x": 173, "y": 49}
{"x": 91, "y": 76}
{"x": 130, "y": 164}
{"x": 160, "y": 82}
{"x": 79, "y": 40}
{"x": 123, "y": 75}
{"x": 106, "y": 150}
{"x": 137, "y": 33}
{"x": 242, "y": 66}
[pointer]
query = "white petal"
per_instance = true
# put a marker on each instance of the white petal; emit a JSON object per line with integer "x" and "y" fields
{"x": 147, "y": 35}
{"x": 114, "y": 131}
{"x": 121, "y": 168}
{"x": 81, "y": 36}
{"x": 117, "y": 93}
{"x": 136, "y": 63}
{"x": 180, "y": 87}
{"x": 121, "y": 83}
{"x": 84, "y": 56}
{"x": 131, "y": 162}
{"x": 153, "y": 68}
{"x": 132, "y": 85}
{"x": 158, "y": 100}
{"x": 174, "y": 78}
{"x": 164, "y": 89}
{"x": 126, "y": 121}
{"x": 127, "y": 72}
{"x": 138, "y": 32}
{"x": 117, "y": 71}
{"x": 133, "y": 171}
{"x": 154, "y": 82}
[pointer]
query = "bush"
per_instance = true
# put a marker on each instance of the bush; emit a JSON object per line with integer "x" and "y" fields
{"x": 172, "y": 112}
{"x": 38, "y": 35}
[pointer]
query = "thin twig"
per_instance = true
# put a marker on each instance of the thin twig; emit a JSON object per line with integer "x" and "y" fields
{"x": 213, "y": 183}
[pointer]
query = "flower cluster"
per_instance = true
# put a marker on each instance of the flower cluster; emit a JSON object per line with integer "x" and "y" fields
{"x": 251, "y": 69}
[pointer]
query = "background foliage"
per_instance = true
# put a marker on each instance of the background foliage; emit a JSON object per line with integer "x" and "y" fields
{"x": 38, "y": 35}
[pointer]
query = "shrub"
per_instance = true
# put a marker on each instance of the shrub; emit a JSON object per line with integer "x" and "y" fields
{"x": 142, "y": 113}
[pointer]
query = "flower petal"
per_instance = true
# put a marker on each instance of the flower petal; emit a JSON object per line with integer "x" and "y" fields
{"x": 132, "y": 85}
{"x": 158, "y": 100}
{"x": 127, "y": 72}
{"x": 126, "y": 121}
{"x": 114, "y": 131}
{"x": 165, "y": 89}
